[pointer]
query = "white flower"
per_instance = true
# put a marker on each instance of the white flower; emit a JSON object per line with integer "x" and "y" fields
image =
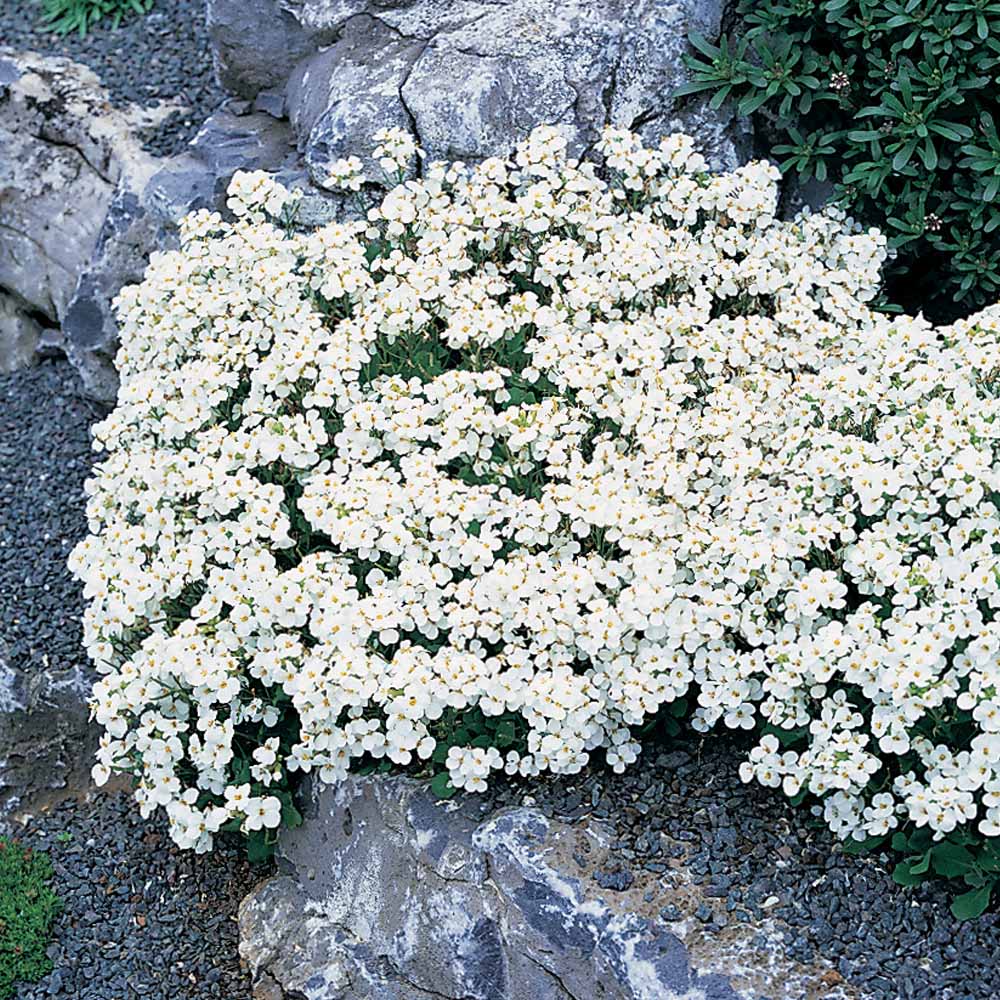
{"x": 346, "y": 174}
{"x": 262, "y": 813}
{"x": 530, "y": 454}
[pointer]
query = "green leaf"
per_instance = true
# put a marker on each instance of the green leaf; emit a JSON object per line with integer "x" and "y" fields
{"x": 929, "y": 154}
{"x": 862, "y": 846}
{"x": 786, "y": 737}
{"x": 695, "y": 87}
{"x": 703, "y": 45}
{"x": 258, "y": 848}
{"x": 506, "y": 734}
{"x": 290, "y": 816}
{"x": 678, "y": 708}
{"x": 954, "y": 131}
{"x": 952, "y": 860}
{"x": 441, "y": 785}
{"x": 904, "y": 87}
{"x": 972, "y": 904}
{"x": 720, "y": 97}
{"x": 750, "y": 104}
{"x": 902, "y": 158}
{"x": 903, "y": 874}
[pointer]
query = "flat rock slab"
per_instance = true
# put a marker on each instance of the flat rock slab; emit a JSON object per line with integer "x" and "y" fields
{"x": 385, "y": 892}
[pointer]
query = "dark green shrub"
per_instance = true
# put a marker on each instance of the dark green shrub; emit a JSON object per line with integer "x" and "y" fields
{"x": 896, "y": 103}
{"x": 27, "y": 908}
{"x": 64, "y": 16}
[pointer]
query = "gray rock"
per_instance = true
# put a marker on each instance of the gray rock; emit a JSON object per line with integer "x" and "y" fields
{"x": 338, "y": 97}
{"x": 66, "y": 149}
{"x": 471, "y": 78}
{"x": 54, "y": 189}
{"x": 143, "y": 216}
{"x": 20, "y": 334}
{"x": 255, "y": 141}
{"x": 385, "y": 892}
{"x": 797, "y": 195}
{"x": 256, "y": 43}
{"x": 470, "y": 103}
{"x": 46, "y": 741}
{"x": 271, "y": 102}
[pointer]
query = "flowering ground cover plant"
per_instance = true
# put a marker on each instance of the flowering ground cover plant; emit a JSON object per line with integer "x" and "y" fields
{"x": 535, "y": 454}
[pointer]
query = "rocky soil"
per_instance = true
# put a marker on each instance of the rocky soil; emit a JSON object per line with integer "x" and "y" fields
{"x": 140, "y": 918}
{"x": 45, "y": 454}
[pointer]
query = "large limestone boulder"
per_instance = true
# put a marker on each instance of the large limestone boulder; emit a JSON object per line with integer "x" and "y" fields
{"x": 82, "y": 205}
{"x": 471, "y": 78}
{"x": 256, "y": 43}
{"x": 20, "y": 333}
{"x": 65, "y": 149}
{"x": 385, "y": 892}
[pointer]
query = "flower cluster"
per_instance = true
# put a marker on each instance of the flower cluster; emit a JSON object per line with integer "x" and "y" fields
{"x": 484, "y": 482}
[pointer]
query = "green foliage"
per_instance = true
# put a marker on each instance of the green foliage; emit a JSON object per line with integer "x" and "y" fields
{"x": 28, "y": 907}
{"x": 896, "y": 103}
{"x": 970, "y": 862}
{"x": 958, "y": 857}
{"x": 64, "y": 16}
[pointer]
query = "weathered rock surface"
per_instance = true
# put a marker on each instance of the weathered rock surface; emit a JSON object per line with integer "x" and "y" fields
{"x": 386, "y": 893}
{"x": 20, "y": 333}
{"x": 339, "y": 96}
{"x": 46, "y": 743}
{"x": 65, "y": 150}
{"x": 471, "y": 78}
{"x": 256, "y": 43}
{"x": 142, "y": 216}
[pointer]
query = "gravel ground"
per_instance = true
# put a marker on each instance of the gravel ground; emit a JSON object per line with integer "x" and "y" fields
{"x": 45, "y": 456}
{"x": 140, "y": 918}
{"x": 755, "y": 856}
{"x": 162, "y": 56}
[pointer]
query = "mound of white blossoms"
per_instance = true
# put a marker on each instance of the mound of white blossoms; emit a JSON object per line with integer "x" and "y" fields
{"x": 535, "y": 451}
